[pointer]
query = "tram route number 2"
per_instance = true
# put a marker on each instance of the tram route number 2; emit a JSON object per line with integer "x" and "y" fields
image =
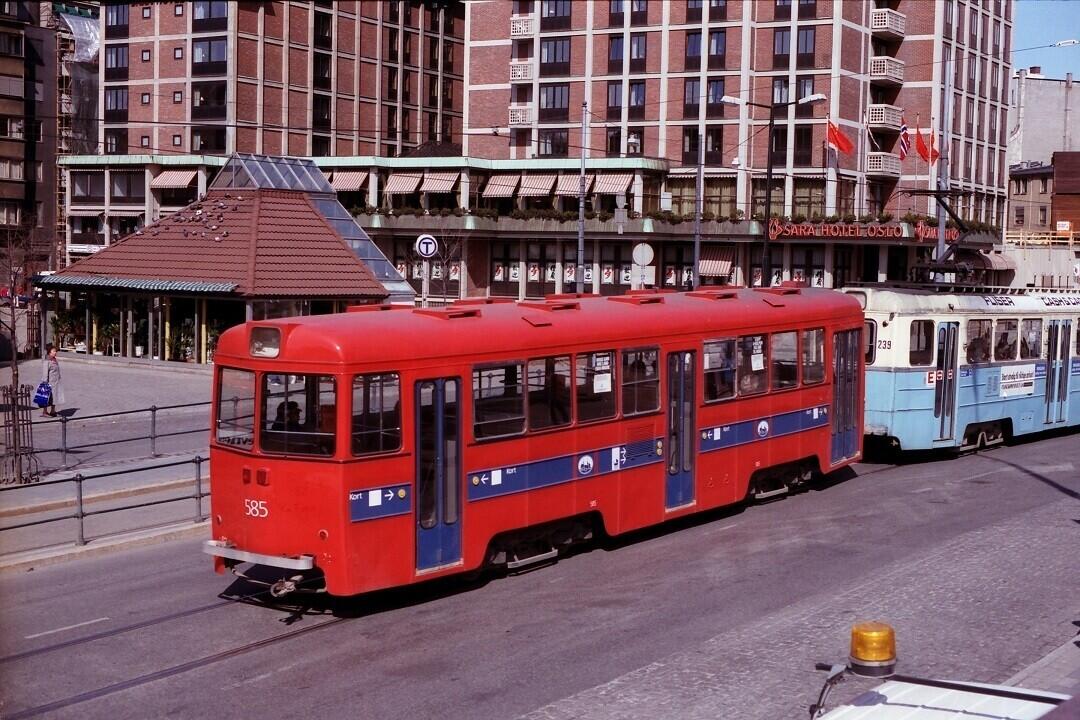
{"x": 256, "y": 508}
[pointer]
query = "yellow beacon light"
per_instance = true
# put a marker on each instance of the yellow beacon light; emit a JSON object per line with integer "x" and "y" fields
{"x": 873, "y": 649}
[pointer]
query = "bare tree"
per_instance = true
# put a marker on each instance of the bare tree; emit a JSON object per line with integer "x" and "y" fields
{"x": 17, "y": 256}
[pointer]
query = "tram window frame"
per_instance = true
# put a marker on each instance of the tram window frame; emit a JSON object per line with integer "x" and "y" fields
{"x": 780, "y": 378}
{"x": 1015, "y": 345}
{"x": 588, "y": 375}
{"x": 237, "y": 439}
{"x": 761, "y": 385}
{"x": 551, "y": 398}
{"x": 812, "y": 361}
{"x": 869, "y": 341}
{"x": 921, "y": 344}
{"x": 1076, "y": 324}
{"x": 1025, "y": 332}
{"x": 719, "y": 369}
{"x": 634, "y": 389}
{"x": 516, "y": 423}
{"x": 360, "y": 427}
{"x": 977, "y": 350}
{"x": 283, "y": 441}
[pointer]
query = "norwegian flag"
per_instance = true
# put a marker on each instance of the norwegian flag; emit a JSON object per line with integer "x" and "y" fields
{"x": 905, "y": 139}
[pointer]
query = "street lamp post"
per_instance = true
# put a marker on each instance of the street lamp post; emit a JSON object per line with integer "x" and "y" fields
{"x": 766, "y": 265}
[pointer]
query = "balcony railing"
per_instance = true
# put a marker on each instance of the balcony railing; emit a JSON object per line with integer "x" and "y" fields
{"x": 522, "y": 27}
{"x": 886, "y": 70}
{"x": 888, "y": 23}
{"x": 882, "y": 164}
{"x": 521, "y": 70}
{"x": 884, "y": 117}
{"x": 520, "y": 116}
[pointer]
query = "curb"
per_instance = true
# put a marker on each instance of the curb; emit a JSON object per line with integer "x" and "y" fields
{"x": 27, "y": 561}
{"x": 122, "y": 362}
{"x": 49, "y": 505}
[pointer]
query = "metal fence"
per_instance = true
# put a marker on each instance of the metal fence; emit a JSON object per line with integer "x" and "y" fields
{"x": 81, "y": 513}
{"x": 18, "y": 464}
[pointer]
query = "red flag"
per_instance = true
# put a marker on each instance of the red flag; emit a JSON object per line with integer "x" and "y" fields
{"x": 839, "y": 140}
{"x": 927, "y": 152}
{"x": 934, "y": 154}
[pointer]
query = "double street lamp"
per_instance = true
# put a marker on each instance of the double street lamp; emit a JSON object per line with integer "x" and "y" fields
{"x": 766, "y": 266}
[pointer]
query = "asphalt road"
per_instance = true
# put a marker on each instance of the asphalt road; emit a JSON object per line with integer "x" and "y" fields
{"x": 974, "y": 560}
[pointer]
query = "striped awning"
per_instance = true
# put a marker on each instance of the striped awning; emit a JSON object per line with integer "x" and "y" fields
{"x": 348, "y": 180}
{"x": 403, "y": 183}
{"x": 568, "y": 185}
{"x": 612, "y": 184}
{"x": 173, "y": 179}
{"x": 501, "y": 186}
{"x": 536, "y": 185}
{"x": 716, "y": 261}
{"x": 439, "y": 182}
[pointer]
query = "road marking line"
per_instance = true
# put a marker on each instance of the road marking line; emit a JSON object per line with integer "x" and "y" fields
{"x": 62, "y": 629}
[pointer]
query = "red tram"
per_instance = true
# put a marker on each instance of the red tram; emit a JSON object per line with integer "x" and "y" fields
{"x": 385, "y": 446}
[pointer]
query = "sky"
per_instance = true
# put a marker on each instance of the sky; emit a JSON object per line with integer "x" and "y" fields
{"x": 1042, "y": 22}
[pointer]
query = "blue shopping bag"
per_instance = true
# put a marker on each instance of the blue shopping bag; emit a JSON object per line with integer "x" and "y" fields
{"x": 43, "y": 395}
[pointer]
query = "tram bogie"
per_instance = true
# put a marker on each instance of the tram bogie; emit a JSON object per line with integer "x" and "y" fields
{"x": 388, "y": 448}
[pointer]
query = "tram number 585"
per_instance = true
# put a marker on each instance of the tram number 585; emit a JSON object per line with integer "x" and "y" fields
{"x": 256, "y": 508}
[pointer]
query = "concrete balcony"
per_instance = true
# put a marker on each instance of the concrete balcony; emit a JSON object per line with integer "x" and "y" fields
{"x": 882, "y": 164}
{"x": 522, "y": 27}
{"x": 521, "y": 70}
{"x": 885, "y": 70}
{"x": 884, "y": 117}
{"x": 520, "y": 115}
{"x": 888, "y": 24}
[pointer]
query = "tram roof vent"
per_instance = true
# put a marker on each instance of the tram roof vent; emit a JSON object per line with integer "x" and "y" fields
{"x": 638, "y": 299}
{"x": 537, "y": 321}
{"x": 779, "y": 290}
{"x": 550, "y": 305}
{"x": 375, "y": 308}
{"x": 714, "y": 294}
{"x": 449, "y": 313}
{"x": 482, "y": 301}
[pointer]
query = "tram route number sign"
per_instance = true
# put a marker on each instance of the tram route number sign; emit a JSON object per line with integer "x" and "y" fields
{"x": 935, "y": 376}
{"x": 426, "y": 246}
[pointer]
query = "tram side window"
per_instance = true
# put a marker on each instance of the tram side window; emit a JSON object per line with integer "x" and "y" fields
{"x": 869, "y": 339}
{"x": 298, "y": 414}
{"x": 549, "y": 392}
{"x": 640, "y": 381}
{"x": 719, "y": 370}
{"x": 236, "y": 408}
{"x": 978, "y": 341}
{"x": 1030, "y": 339}
{"x": 785, "y": 360}
{"x": 376, "y": 413}
{"x": 498, "y": 401}
{"x": 1005, "y": 340}
{"x": 752, "y": 369}
{"x": 813, "y": 356}
{"x": 595, "y": 386}
{"x": 921, "y": 343}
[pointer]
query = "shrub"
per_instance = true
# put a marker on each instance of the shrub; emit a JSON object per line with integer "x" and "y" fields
{"x": 884, "y": 217}
{"x": 867, "y": 218}
{"x": 849, "y": 218}
{"x": 798, "y": 218}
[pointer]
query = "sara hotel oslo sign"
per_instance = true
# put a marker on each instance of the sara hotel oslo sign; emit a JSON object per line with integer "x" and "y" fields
{"x": 779, "y": 229}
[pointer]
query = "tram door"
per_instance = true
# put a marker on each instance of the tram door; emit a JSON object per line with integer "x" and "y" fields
{"x": 681, "y": 432}
{"x": 847, "y": 346}
{"x": 438, "y": 473}
{"x": 948, "y": 335}
{"x": 1057, "y": 369}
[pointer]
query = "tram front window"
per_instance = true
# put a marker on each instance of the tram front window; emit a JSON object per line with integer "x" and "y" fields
{"x": 298, "y": 414}
{"x": 236, "y": 408}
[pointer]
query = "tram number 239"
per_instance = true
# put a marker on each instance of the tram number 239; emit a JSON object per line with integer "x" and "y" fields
{"x": 256, "y": 508}
{"x": 884, "y": 344}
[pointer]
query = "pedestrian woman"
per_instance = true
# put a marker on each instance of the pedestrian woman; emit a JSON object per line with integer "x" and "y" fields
{"x": 50, "y": 373}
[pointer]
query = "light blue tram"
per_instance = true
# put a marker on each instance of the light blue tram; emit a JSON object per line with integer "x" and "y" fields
{"x": 966, "y": 370}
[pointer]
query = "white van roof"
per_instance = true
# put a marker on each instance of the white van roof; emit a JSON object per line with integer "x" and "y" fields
{"x": 895, "y": 700}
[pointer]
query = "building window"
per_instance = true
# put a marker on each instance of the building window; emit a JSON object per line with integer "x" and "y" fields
{"x": 1018, "y": 215}
{"x": 778, "y": 149}
{"x": 178, "y": 96}
{"x": 717, "y": 49}
{"x": 555, "y": 57}
{"x": 177, "y": 140}
{"x": 714, "y": 139}
{"x": 636, "y": 108}
{"x": 116, "y": 21}
{"x": 615, "y": 13}
{"x": 780, "y": 93}
{"x": 12, "y": 128}
{"x": 208, "y": 100}
{"x": 553, "y": 143}
{"x": 635, "y": 145}
{"x": 144, "y": 98}
{"x": 1044, "y": 186}
{"x": 805, "y": 52}
{"x": 127, "y": 186}
{"x": 614, "y": 100}
{"x": 693, "y": 11}
{"x": 690, "y": 144}
{"x": 209, "y": 15}
{"x": 554, "y": 103}
{"x": 208, "y": 139}
{"x": 555, "y": 15}
{"x": 116, "y": 62}
{"x": 639, "y": 12}
{"x": 1042, "y": 215}
{"x": 178, "y": 53}
{"x": 614, "y": 142}
{"x": 208, "y": 57}
{"x": 144, "y": 141}
{"x": 714, "y": 106}
{"x": 781, "y": 47}
{"x": 691, "y": 97}
{"x": 145, "y": 55}
{"x": 804, "y": 145}
{"x": 692, "y": 58}
{"x": 321, "y": 68}
{"x": 615, "y": 54}
{"x": 324, "y": 33}
{"x": 116, "y": 142}
{"x": 804, "y": 87}
{"x": 146, "y": 12}
{"x": 637, "y": 52}
{"x": 116, "y": 104}
{"x": 178, "y": 10}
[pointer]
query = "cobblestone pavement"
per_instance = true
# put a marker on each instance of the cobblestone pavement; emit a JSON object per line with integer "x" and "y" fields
{"x": 764, "y": 670}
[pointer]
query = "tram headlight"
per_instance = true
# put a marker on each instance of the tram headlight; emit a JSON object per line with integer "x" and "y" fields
{"x": 873, "y": 649}
{"x": 265, "y": 342}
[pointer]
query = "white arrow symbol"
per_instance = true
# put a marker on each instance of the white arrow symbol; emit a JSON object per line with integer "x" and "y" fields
{"x": 484, "y": 478}
{"x": 389, "y": 494}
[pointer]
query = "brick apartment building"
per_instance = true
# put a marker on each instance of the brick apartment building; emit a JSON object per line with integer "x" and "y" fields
{"x": 464, "y": 119}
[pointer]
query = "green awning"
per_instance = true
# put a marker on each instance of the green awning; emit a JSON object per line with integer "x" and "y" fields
{"x": 66, "y": 282}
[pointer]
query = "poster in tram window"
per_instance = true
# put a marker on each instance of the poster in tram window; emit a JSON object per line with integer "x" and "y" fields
{"x": 515, "y": 272}
{"x": 626, "y": 274}
{"x": 455, "y": 271}
{"x": 669, "y": 275}
{"x": 534, "y": 272}
{"x": 607, "y": 274}
{"x": 569, "y": 273}
{"x": 549, "y": 273}
{"x": 588, "y": 272}
{"x": 498, "y": 273}
{"x": 417, "y": 270}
